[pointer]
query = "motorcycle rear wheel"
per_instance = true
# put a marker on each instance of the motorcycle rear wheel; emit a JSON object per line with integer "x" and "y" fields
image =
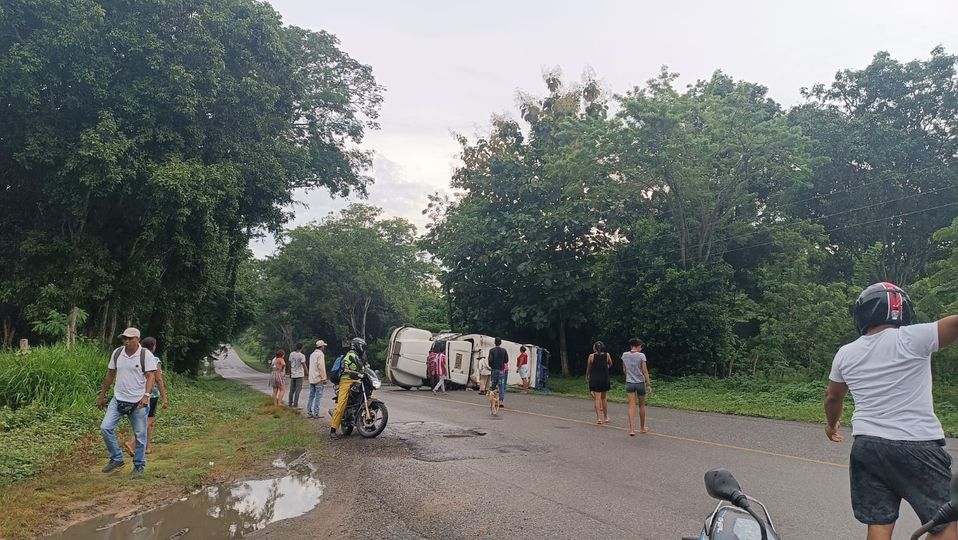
{"x": 376, "y": 423}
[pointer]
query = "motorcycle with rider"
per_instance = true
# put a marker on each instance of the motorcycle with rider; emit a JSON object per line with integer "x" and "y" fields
{"x": 356, "y": 404}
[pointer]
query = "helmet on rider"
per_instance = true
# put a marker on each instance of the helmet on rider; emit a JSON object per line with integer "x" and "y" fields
{"x": 358, "y": 345}
{"x": 882, "y": 303}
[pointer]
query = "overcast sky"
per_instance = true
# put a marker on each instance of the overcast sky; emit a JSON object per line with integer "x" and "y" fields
{"x": 448, "y": 66}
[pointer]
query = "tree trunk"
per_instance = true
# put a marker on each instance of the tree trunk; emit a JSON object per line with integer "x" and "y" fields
{"x": 563, "y": 349}
{"x": 7, "y": 332}
{"x": 754, "y": 365}
{"x": 104, "y": 339}
{"x": 71, "y": 330}
{"x": 113, "y": 315}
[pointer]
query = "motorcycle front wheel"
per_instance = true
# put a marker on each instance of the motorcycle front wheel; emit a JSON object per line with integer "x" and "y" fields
{"x": 375, "y": 423}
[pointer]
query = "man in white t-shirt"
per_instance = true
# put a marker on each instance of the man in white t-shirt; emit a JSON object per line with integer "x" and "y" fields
{"x": 297, "y": 371}
{"x": 317, "y": 379}
{"x": 133, "y": 368}
{"x": 898, "y": 452}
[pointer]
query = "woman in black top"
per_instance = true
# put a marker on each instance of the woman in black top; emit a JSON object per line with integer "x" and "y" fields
{"x": 597, "y": 375}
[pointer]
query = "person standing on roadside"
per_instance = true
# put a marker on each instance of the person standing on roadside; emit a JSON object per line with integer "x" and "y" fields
{"x": 277, "y": 378}
{"x": 297, "y": 371}
{"x": 498, "y": 360}
{"x": 898, "y": 452}
{"x": 442, "y": 369}
{"x": 484, "y": 373}
{"x": 522, "y": 368}
{"x": 597, "y": 375}
{"x": 159, "y": 392}
{"x": 317, "y": 380}
{"x": 637, "y": 383}
{"x": 132, "y": 367}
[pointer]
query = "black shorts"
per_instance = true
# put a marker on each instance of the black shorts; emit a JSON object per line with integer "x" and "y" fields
{"x": 635, "y": 387}
{"x": 883, "y": 472}
{"x": 152, "y": 412}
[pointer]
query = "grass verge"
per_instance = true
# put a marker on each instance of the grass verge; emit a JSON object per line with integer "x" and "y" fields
{"x": 252, "y": 361}
{"x": 214, "y": 430}
{"x": 800, "y": 401}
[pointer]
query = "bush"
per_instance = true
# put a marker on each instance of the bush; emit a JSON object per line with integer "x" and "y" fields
{"x": 52, "y": 376}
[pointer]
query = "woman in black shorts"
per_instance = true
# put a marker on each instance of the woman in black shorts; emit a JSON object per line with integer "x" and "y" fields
{"x": 597, "y": 375}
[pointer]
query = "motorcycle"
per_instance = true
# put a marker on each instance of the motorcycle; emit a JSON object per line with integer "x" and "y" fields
{"x": 363, "y": 411}
{"x": 734, "y": 519}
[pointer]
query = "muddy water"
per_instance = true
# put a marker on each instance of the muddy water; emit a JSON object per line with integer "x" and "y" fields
{"x": 230, "y": 511}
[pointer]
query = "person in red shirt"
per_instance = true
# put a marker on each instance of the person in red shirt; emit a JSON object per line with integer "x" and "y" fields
{"x": 522, "y": 368}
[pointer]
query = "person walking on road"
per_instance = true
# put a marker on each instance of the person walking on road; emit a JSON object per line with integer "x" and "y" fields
{"x": 484, "y": 373}
{"x": 277, "y": 378}
{"x": 133, "y": 368}
{"x": 498, "y": 362}
{"x": 637, "y": 383}
{"x": 522, "y": 368}
{"x": 317, "y": 380}
{"x": 159, "y": 392}
{"x": 597, "y": 375}
{"x": 297, "y": 371}
{"x": 898, "y": 452}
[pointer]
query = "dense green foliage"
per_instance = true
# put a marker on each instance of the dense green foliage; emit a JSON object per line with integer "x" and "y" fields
{"x": 352, "y": 274}
{"x": 729, "y": 233}
{"x": 144, "y": 144}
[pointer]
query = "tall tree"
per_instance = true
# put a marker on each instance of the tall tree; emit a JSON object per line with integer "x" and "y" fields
{"x": 150, "y": 141}
{"x": 891, "y": 179}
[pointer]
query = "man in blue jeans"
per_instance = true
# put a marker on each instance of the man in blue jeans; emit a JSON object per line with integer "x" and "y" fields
{"x": 498, "y": 358}
{"x": 132, "y": 367}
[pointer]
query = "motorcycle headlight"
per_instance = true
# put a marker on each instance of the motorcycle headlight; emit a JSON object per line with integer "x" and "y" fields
{"x": 376, "y": 384}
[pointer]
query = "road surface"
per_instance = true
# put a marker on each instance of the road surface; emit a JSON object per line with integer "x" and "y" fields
{"x": 445, "y": 468}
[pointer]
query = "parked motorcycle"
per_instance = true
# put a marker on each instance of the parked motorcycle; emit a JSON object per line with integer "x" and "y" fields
{"x": 363, "y": 411}
{"x": 734, "y": 519}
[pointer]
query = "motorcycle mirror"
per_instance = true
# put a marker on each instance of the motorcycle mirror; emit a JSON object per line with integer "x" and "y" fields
{"x": 720, "y": 484}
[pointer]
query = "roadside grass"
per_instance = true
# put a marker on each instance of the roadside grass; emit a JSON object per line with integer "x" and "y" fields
{"x": 51, "y": 455}
{"x": 801, "y": 401}
{"x": 251, "y": 360}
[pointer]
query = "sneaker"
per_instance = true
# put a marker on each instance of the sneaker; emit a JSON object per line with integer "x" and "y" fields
{"x": 309, "y": 415}
{"x": 333, "y": 435}
{"x": 137, "y": 471}
{"x": 112, "y": 466}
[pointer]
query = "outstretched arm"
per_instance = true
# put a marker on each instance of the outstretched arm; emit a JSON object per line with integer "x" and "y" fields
{"x": 947, "y": 331}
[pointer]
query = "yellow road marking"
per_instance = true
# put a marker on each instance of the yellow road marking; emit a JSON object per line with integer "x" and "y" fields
{"x": 663, "y": 435}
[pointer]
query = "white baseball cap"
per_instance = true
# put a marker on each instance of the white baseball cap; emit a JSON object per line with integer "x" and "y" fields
{"x": 320, "y": 343}
{"x": 130, "y": 333}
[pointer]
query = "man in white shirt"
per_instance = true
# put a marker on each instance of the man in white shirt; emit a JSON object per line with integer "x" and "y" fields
{"x": 317, "y": 379}
{"x": 297, "y": 370}
{"x": 898, "y": 452}
{"x": 133, "y": 369}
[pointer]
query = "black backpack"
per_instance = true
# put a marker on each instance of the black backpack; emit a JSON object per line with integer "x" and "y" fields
{"x": 116, "y": 354}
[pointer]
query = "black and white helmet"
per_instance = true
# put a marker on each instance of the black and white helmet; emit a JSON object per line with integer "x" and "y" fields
{"x": 882, "y": 303}
{"x": 358, "y": 344}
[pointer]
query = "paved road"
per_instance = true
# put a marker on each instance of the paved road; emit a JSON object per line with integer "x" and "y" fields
{"x": 444, "y": 468}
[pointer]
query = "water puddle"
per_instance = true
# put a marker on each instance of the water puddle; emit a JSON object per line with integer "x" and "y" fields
{"x": 229, "y": 511}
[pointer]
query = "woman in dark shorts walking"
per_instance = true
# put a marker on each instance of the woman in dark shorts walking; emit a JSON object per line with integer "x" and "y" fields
{"x": 597, "y": 375}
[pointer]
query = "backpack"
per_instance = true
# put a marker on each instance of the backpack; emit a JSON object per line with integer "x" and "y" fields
{"x": 116, "y": 354}
{"x": 336, "y": 372}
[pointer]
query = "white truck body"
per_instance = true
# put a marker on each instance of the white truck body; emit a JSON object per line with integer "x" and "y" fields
{"x": 409, "y": 347}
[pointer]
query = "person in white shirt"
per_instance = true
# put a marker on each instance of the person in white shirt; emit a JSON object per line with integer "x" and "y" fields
{"x": 898, "y": 452}
{"x": 133, "y": 368}
{"x": 317, "y": 380}
{"x": 297, "y": 371}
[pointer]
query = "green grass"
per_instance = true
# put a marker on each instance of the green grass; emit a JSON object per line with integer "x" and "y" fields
{"x": 51, "y": 451}
{"x": 252, "y": 361}
{"x": 800, "y": 401}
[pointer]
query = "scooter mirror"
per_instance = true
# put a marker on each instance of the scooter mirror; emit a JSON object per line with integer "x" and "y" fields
{"x": 720, "y": 484}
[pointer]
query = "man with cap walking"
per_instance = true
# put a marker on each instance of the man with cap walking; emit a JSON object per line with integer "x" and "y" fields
{"x": 317, "y": 378}
{"x": 132, "y": 367}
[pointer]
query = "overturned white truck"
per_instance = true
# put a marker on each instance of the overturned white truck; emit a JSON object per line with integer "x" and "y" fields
{"x": 409, "y": 347}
